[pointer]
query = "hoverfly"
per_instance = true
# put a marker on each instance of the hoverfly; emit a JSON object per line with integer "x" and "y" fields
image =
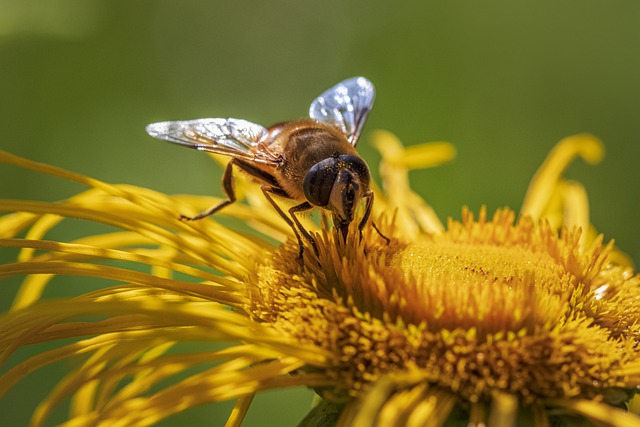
{"x": 311, "y": 160}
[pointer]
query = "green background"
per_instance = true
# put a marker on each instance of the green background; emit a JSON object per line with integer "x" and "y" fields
{"x": 502, "y": 80}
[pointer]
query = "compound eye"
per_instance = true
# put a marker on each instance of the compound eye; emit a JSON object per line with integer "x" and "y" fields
{"x": 358, "y": 166}
{"x": 318, "y": 182}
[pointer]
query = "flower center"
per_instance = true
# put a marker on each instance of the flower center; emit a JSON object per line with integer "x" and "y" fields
{"x": 485, "y": 305}
{"x": 466, "y": 263}
{"x": 493, "y": 288}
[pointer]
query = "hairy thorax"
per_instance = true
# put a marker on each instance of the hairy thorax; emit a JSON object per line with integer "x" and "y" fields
{"x": 303, "y": 144}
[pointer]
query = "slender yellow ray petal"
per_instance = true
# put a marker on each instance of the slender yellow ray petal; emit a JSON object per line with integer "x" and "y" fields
{"x": 222, "y": 324}
{"x": 433, "y": 410}
{"x": 205, "y": 251}
{"x": 504, "y": 410}
{"x": 124, "y": 344}
{"x": 140, "y": 413}
{"x": 394, "y": 168}
{"x": 89, "y": 396}
{"x": 367, "y": 409}
{"x": 420, "y": 156}
{"x": 400, "y": 405}
{"x": 37, "y": 231}
{"x": 223, "y": 382}
{"x": 477, "y": 415}
{"x": 148, "y": 371}
{"x": 96, "y": 368}
{"x": 365, "y": 412}
{"x": 136, "y": 367}
{"x": 598, "y": 412}
{"x": 118, "y": 239}
{"x": 31, "y": 290}
{"x": 576, "y": 208}
{"x": 216, "y": 293}
{"x": 239, "y": 411}
{"x": 240, "y": 356}
{"x": 110, "y": 216}
{"x": 33, "y": 286}
{"x": 206, "y": 314}
{"x": 79, "y": 251}
{"x": 61, "y": 390}
{"x": 23, "y": 369}
{"x": 12, "y": 159}
{"x": 587, "y": 146}
{"x": 14, "y": 223}
{"x": 84, "y": 399}
{"x": 118, "y": 191}
{"x": 79, "y": 329}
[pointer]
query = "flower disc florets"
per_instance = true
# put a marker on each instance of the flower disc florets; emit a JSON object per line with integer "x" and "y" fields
{"x": 486, "y": 306}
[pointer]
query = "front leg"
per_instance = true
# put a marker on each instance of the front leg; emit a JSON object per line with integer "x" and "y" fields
{"x": 367, "y": 213}
{"x": 301, "y": 208}
{"x": 267, "y": 191}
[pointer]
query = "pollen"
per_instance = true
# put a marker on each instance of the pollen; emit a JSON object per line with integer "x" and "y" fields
{"x": 489, "y": 305}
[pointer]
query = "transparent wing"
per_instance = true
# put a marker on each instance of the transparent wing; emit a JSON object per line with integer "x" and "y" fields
{"x": 233, "y": 137}
{"x": 345, "y": 106}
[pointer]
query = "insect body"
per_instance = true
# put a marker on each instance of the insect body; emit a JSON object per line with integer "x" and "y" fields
{"x": 311, "y": 160}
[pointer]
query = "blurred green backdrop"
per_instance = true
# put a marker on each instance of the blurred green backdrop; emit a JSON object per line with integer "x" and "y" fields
{"x": 502, "y": 80}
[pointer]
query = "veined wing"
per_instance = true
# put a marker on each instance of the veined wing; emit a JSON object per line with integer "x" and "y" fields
{"x": 232, "y": 137}
{"x": 345, "y": 106}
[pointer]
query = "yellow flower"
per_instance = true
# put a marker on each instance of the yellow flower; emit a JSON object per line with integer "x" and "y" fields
{"x": 493, "y": 320}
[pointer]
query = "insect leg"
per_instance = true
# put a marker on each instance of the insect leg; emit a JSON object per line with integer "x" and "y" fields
{"x": 227, "y": 186}
{"x": 300, "y": 208}
{"x": 267, "y": 191}
{"x": 367, "y": 213}
{"x": 367, "y": 210}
